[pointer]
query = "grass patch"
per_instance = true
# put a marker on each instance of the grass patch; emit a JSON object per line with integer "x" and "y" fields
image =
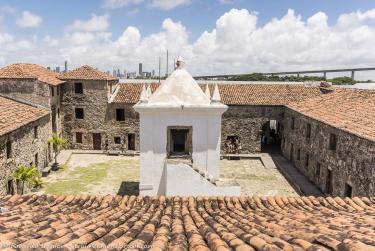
{"x": 79, "y": 179}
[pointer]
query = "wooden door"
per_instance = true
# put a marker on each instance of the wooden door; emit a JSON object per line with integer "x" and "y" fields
{"x": 329, "y": 182}
{"x": 97, "y": 141}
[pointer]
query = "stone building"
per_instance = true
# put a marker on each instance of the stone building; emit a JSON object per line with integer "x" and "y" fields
{"x": 90, "y": 120}
{"x": 331, "y": 140}
{"x": 97, "y": 113}
{"x": 24, "y": 133}
{"x": 33, "y": 84}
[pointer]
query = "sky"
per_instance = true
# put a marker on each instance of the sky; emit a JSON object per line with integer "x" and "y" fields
{"x": 214, "y": 36}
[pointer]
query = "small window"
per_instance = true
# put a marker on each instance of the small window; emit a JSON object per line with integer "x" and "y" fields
{"x": 308, "y": 131}
{"x": 9, "y": 149}
{"x": 348, "y": 190}
{"x": 52, "y": 91}
{"x": 35, "y": 132}
{"x": 292, "y": 124}
{"x": 307, "y": 159}
{"x": 36, "y": 160}
{"x": 299, "y": 154}
{"x": 332, "y": 142}
{"x": 79, "y": 137}
{"x": 120, "y": 114}
{"x": 78, "y": 88}
{"x": 117, "y": 140}
{"x": 317, "y": 170}
{"x": 58, "y": 90}
{"x": 79, "y": 113}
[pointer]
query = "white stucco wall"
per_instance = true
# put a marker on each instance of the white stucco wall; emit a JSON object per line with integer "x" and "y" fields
{"x": 182, "y": 180}
{"x": 206, "y": 133}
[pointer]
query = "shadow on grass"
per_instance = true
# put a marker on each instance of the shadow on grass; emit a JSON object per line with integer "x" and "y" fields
{"x": 129, "y": 188}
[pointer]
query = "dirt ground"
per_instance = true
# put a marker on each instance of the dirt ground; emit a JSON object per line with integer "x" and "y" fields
{"x": 102, "y": 174}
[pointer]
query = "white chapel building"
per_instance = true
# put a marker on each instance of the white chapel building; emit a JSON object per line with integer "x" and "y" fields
{"x": 180, "y": 131}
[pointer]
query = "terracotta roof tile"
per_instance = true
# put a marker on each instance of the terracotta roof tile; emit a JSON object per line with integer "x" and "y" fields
{"x": 187, "y": 223}
{"x": 350, "y": 110}
{"x": 14, "y": 114}
{"x": 235, "y": 94}
{"x": 30, "y": 71}
{"x": 86, "y": 73}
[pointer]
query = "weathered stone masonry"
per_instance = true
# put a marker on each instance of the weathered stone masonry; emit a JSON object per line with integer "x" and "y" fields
{"x": 352, "y": 163}
{"x": 99, "y": 116}
{"x": 24, "y": 148}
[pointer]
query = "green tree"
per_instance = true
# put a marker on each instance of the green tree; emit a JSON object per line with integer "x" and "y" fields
{"x": 58, "y": 144}
{"x": 25, "y": 175}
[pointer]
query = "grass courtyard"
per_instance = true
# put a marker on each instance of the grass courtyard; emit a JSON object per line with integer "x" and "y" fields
{"x": 102, "y": 174}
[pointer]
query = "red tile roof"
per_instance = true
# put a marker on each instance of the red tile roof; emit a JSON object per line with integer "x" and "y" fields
{"x": 350, "y": 110}
{"x": 30, "y": 71}
{"x": 86, "y": 73}
{"x": 187, "y": 223}
{"x": 236, "y": 94}
{"x": 14, "y": 115}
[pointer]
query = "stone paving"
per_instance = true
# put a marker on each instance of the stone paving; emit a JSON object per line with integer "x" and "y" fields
{"x": 255, "y": 179}
{"x": 102, "y": 174}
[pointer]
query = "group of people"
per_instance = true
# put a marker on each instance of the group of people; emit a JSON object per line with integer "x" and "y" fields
{"x": 233, "y": 145}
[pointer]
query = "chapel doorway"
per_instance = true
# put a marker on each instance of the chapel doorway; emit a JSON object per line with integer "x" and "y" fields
{"x": 131, "y": 141}
{"x": 179, "y": 141}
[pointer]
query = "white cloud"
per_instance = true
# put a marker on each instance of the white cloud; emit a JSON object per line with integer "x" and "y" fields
{"x": 236, "y": 44}
{"x": 96, "y": 23}
{"x": 114, "y": 4}
{"x": 29, "y": 20}
{"x": 169, "y": 4}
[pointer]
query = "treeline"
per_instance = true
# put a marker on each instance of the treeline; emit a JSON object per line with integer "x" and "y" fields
{"x": 291, "y": 78}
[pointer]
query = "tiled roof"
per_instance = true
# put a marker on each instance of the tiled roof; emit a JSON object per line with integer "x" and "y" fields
{"x": 186, "y": 223}
{"x": 14, "y": 114}
{"x": 86, "y": 73}
{"x": 350, "y": 110}
{"x": 30, "y": 71}
{"x": 236, "y": 94}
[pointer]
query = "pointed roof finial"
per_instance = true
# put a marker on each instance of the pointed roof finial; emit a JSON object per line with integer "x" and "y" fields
{"x": 144, "y": 96}
{"x": 216, "y": 96}
{"x": 148, "y": 91}
{"x": 180, "y": 62}
{"x": 207, "y": 92}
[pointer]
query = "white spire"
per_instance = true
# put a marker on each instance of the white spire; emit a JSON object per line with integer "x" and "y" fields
{"x": 216, "y": 96}
{"x": 207, "y": 92}
{"x": 144, "y": 96}
{"x": 148, "y": 91}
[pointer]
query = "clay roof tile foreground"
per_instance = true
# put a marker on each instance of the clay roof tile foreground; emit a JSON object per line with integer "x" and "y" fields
{"x": 91, "y": 222}
{"x": 14, "y": 114}
{"x": 235, "y": 94}
{"x": 350, "y": 110}
{"x": 30, "y": 71}
{"x": 86, "y": 73}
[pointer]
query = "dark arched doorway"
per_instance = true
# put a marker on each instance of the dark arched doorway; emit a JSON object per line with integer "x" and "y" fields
{"x": 271, "y": 137}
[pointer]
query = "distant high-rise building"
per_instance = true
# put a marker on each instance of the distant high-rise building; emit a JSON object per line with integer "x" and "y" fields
{"x": 57, "y": 68}
{"x": 114, "y": 73}
{"x": 140, "y": 70}
{"x": 66, "y": 66}
{"x": 153, "y": 73}
{"x": 118, "y": 73}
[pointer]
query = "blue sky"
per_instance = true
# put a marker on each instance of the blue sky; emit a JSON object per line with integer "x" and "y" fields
{"x": 198, "y": 16}
{"x": 48, "y": 32}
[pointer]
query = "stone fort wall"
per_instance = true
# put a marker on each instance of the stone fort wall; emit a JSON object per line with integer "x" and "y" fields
{"x": 24, "y": 149}
{"x": 352, "y": 163}
{"x": 99, "y": 117}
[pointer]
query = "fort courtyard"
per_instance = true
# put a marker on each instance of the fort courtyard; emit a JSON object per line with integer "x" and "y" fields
{"x": 119, "y": 175}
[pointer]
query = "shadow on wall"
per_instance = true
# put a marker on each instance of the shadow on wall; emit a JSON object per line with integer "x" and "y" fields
{"x": 129, "y": 188}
